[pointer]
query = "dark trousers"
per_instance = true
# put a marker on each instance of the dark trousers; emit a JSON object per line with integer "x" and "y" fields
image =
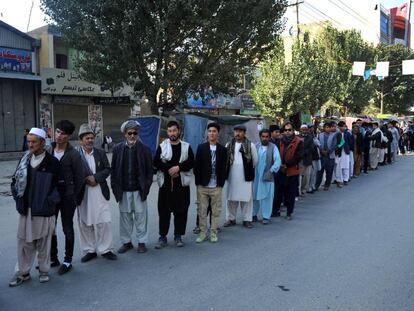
{"x": 67, "y": 209}
{"x": 177, "y": 203}
{"x": 327, "y": 165}
{"x": 180, "y": 223}
{"x": 366, "y": 159}
{"x": 287, "y": 187}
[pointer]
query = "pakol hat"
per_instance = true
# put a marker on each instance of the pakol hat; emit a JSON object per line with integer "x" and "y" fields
{"x": 85, "y": 129}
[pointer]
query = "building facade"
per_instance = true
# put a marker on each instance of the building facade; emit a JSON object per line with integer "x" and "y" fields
{"x": 65, "y": 95}
{"x": 19, "y": 86}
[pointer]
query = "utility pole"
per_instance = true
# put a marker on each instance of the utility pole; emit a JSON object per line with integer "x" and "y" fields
{"x": 30, "y": 16}
{"x": 297, "y": 15}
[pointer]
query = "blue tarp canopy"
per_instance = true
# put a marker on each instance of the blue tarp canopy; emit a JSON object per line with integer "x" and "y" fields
{"x": 149, "y": 131}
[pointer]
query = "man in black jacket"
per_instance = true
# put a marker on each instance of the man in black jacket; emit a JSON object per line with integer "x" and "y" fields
{"x": 306, "y": 167}
{"x": 94, "y": 211}
{"x": 131, "y": 180}
{"x": 34, "y": 189}
{"x": 71, "y": 180}
{"x": 210, "y": 175}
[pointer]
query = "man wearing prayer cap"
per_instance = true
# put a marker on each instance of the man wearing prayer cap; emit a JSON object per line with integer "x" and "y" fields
{"x": 71, "y": 180}
{"x": 131, "y": 179}
{"x": 34, "y": 189}
{"x": 94, "y": 212}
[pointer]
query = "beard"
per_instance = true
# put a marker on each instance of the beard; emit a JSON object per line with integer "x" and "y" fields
{"x": 265, "y": 143}
{"x": 173, "y": 138}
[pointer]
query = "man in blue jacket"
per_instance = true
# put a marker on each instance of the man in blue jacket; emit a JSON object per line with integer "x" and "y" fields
{"x": 34, "y": 189}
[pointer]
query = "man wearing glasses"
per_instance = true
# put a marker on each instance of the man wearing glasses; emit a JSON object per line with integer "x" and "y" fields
{"x": 131, "y": 179}
{"x": 291, "y": 153}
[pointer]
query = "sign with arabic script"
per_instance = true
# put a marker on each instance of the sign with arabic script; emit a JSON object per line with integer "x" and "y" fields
{"x": 68, "y": 82}
{"x": 15, "y": 60}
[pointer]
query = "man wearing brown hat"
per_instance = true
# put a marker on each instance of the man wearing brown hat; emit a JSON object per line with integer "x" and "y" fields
{"x": 71, "y": 180}
{"x": 131, "y": 179}
{"x": 241, "y": 162}
{"x": 94, "y": 213}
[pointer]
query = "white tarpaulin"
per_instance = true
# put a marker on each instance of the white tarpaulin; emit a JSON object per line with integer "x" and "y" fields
{"x": 358, "y": 69}
{"x": 408, "y": 67}
{"x": 382, "y": 69}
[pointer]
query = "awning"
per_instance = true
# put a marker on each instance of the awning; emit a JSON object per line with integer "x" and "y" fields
{"x": 19, "y": 76}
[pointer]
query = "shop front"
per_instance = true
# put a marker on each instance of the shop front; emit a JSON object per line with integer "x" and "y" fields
{"x": 66, "y": 96}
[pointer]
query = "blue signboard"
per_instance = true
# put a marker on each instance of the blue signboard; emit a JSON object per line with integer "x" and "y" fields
{"x": 15, "y": 60}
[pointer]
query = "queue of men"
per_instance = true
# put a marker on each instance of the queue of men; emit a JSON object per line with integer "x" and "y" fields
{"x": 260, "y": 179}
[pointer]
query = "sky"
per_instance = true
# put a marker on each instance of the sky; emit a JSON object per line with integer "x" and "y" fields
{"x": 16, "y": 12}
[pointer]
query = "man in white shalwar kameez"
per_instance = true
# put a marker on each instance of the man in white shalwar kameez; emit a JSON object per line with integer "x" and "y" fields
{"x": 268, "y": 163}
{"x": 94, "y": 213}
{"x": 242, "y": 159}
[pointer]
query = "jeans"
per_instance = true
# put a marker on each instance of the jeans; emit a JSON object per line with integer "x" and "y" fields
{"x": 287, "y": 187}
{"x": 67, "y": 209}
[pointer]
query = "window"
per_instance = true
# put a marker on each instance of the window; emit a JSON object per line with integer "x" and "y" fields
{"x": 61, "y": 61}
{"x": 384, "y": 24}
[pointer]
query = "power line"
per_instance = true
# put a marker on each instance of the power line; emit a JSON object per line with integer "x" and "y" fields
{"x": 312, "y": 17}
{"x": 351, "y": 14}
{"x": 313, "y": 8}
{"x": 362, "y": 17}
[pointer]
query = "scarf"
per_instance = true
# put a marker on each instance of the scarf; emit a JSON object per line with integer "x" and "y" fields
{"x": 246, "y": 149}
{"x": 85, "y": 164}
{"x": 20, "y": 176}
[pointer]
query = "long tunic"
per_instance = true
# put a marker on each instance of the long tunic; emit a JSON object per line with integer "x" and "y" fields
{"x": 263, "y": 189}
{"x": 94, "y": 208}
{"x": 238, "y": 189}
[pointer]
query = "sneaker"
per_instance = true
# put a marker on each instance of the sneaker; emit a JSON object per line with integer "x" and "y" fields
{"x": 229, "y": 223}
{"x": 196, "y": 230}
{"x": 247, "y": 224}
{"x": 54, "y": 263}
{"x": 44, "y": 277}
{"x": 277, "y": 214}
{"x": 213, "y": 237}
{"x": 345, "y": 183}
{"x": 162, "y": 242}
{"x": 125, "y": 247}
{"x": 19, "y": 279}
{"x": 64, "y": 268}
{"x": 179, "y": 242}
{"x": 265, "y": 221}
{"x": 110, "y": 256}
{"x": 89, "y": 256}
{"x": 339, "y": 185}
{"x": 201, "y": 237}
{"x": 254, "y": 219}
{"x": 142, "y": 248}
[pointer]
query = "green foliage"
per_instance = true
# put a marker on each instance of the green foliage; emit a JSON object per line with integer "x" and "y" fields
{"x": 173, "y": 45}
{"x": 342, "y": 48}
{"x": 398, "y": 90}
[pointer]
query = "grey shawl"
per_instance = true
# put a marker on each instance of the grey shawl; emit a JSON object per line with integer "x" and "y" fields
{"x": 20, "y": 175}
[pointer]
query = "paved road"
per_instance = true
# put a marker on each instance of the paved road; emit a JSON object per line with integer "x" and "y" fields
{"x": 348, "y": 249}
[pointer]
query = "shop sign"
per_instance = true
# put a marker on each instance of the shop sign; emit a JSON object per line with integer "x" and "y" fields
{"x": 250, "y": 112}
{"x": 68, "y": 82}
{"x": 15, "y": 60}
{"x": 121, "y": 100}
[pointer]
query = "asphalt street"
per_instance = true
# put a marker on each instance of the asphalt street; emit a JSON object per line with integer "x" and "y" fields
{"x": 346, "y": 249}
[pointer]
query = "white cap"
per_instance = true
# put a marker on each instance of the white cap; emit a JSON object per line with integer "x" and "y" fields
{"x": 38, "y": 132}
{"x": 303, "y": 126}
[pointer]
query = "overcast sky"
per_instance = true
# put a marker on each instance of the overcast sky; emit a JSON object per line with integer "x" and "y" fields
{"x": 16, "y": 12}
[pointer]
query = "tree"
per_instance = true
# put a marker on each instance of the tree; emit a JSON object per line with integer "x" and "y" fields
{"x": 343, "y": 48}
{"x": 168, "y": 45}
{"x": 396, "y": 90}
{"x": 302, "y": 85}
